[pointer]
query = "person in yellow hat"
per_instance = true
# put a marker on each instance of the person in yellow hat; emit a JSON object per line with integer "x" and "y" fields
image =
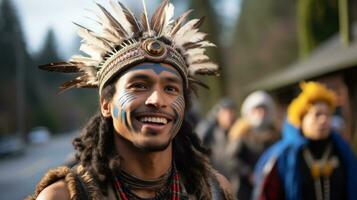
{"x": 139, "y": 146}
{"x": 311, "y": 161}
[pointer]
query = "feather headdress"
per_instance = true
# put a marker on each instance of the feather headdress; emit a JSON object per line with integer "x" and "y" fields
{"x": 125, "y": 41}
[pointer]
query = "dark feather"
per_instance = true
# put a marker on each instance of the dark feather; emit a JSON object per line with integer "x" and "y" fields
{"x": 206, "y": 71}
{"x": 198, "y": 82}
{"x": 192, "y": 45}
{"x": 179, "y": 22}
{"x": 136, "y": 26}
{"x": 115, "y": 24}
{"x": 65, "y": 67}
{"x": 199, "y": 22}
{"x": 144, "y": 22}
{"x": 69, "y": 84}
{"x": 157, "y": 18}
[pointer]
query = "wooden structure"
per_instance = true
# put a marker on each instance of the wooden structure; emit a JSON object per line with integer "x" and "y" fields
{"x": 331, "y": 63}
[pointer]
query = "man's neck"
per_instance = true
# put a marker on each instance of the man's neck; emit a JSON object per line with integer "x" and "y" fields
{"x": 144, "y": 165}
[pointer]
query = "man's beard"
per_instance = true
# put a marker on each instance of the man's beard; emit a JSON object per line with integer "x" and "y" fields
{"x": 153, "y": 147}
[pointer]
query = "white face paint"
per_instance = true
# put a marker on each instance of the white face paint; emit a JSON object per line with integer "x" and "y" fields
{"x": 148, "y": 106}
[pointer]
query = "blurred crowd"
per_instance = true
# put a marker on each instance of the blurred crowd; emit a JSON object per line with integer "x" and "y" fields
{"x": 302, "y": 156}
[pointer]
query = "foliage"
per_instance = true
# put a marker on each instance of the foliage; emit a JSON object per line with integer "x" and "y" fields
{"x": 212, "y": 26}
{"x": 264, "y": 41}
{"x": 13, "y": 51}
{"x": 35, "y": 91}
{"x": 317, "y": 21}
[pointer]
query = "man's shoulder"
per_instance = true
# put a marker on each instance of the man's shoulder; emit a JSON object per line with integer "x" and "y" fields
{"x": 57, "y": 190}
{"x": 55, "y": 184}
{"x": 224, "y": 184}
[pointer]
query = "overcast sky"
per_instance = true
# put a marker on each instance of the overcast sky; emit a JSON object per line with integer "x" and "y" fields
{"x": 37, "y": 16}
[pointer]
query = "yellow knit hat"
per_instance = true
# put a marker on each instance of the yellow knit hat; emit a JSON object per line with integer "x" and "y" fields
{"x": 312, "y": 92}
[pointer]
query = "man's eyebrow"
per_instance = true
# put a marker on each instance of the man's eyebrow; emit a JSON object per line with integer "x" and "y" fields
{"x": 173, "y": 80}
{"x": 139, "y": 76}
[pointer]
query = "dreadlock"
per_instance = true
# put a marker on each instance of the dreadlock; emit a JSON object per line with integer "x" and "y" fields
{"x": 97, "y": 153}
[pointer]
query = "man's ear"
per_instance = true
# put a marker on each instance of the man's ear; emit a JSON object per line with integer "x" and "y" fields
{"x": 105, "y": 107}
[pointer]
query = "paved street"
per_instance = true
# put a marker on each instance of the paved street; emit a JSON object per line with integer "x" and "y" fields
{"x": 19, "y": 175}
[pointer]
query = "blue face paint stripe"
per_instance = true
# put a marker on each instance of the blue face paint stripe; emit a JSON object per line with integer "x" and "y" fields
{"x": 115, "y": 112}
{"x": 178, "y": 107}
{"x": 123, "y": 101}
{"x": 157, "y": 68}
{"x": 125, "y": 119}
{"x": 129, "y": 98}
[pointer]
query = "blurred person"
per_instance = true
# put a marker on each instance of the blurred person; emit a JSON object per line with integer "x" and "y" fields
{"x": 249, "y": 137}
{"x": 139, "y": 145}
{"x": 311, "y": 161}
{"x": 213, "y": 131}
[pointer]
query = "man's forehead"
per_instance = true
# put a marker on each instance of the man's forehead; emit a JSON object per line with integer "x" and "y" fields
{"x": 157, "y": 68}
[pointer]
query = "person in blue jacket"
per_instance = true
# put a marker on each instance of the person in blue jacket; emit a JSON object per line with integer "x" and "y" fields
{"x": 311, "y": 161}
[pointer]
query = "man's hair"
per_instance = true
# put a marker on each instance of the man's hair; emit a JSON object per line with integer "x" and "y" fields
{"x": 97, "y": 152}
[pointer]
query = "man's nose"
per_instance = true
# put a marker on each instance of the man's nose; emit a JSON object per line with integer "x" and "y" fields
{"x": 156, "y": 99}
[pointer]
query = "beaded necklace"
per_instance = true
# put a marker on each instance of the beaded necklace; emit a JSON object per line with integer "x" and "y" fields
{"x": 172, "y": 187}
{"x": 321, "y": 169}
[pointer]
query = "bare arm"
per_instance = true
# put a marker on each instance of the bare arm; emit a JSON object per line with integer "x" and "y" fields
{"x": 57, "y": 190}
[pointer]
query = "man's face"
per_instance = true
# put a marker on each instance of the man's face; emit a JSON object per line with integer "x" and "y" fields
{"x": 148, "y": 106}
{"x": 316, "y": 122}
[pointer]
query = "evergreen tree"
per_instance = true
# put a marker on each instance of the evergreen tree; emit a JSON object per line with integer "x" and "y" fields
{"x": 13, "y": 59}
{"x": 317, "y": 21}
{"x": 212, "y": 26}
{"x": 264, "y": 42}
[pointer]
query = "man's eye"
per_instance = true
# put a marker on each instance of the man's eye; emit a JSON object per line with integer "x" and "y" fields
{"x": 139, "y": 86}
{"x": 171, "y": 89}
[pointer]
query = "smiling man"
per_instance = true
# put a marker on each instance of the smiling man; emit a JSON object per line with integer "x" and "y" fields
{"x": 139, "y": 146}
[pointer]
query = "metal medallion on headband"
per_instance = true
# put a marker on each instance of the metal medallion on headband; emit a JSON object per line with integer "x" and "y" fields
{"x": 154, "y": 49}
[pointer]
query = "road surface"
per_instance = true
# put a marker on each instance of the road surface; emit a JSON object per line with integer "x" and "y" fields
{"x": 19, "y": 175}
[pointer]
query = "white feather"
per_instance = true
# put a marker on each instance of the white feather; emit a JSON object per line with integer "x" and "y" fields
{"x": 195, "y": 51}
{"x": 192, "y": 69}
{"x": 85, "y": 60}
{"x": 107, "y": 24}
{"x": 120, "y": 16}
{"x": 111, "y": 37}
{"x": 90, "y": 71}
{"x": 169, "y": 14}
{"x": 197, "y": 58}
{"x": 193, "y": 36}
{"x": 206, "y": 44}
{"x": 93, "y": 51}
{"x": 90, "y": 38}
{"x": 179, "y": 37}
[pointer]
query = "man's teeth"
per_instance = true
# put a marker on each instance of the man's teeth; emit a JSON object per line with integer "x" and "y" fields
{"x": 154, "y": 120}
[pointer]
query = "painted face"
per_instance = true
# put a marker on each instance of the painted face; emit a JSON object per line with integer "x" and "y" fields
{"x": 148, "y": 106}
{"x": 316, "y": 122}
